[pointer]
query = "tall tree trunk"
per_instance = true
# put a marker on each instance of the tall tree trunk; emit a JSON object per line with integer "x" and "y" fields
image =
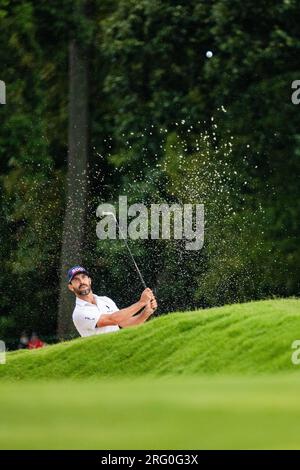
{"x": 75, "y": 213}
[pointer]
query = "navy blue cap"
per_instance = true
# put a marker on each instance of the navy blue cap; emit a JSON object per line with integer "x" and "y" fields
{"x": 76, "y": 270}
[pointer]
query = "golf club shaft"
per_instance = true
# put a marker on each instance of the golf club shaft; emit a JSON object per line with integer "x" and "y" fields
{"x": 133, "y": 260}
{"x": 127, "y": 246}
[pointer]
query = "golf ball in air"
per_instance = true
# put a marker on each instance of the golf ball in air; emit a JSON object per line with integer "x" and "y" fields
{"x": 209, "y": 54}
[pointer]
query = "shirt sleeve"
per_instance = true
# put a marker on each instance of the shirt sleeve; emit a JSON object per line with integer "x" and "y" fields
{"x": 86, "y": 321}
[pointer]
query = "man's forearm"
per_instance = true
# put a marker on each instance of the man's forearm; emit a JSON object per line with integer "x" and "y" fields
{"x": 137, "y": 320}
{"x": 125, "y": 314}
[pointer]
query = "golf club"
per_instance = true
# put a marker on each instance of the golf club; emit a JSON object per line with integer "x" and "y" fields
{"x": 124, "y": 239}
{"x": 136, "y": 266}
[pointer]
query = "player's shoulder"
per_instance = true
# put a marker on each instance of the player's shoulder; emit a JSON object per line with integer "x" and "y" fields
{"x": 77, "y": 312}
{"x": 79, "y": 309}
{"x": 104, "y": 298}
{"x": 108, "y": 302}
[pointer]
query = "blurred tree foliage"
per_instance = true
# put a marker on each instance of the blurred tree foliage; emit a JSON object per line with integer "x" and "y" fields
{"x": 148, "y": 68}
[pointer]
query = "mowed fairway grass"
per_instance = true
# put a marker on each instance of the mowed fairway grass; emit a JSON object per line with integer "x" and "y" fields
{"x": 194, "y": 413}
{"x": 214, "y": 379}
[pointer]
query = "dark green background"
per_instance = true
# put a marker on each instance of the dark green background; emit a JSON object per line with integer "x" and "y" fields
{"x": 147, "y": 67}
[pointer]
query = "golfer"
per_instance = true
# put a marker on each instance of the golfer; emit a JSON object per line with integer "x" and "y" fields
{"x": 94, "y": 315}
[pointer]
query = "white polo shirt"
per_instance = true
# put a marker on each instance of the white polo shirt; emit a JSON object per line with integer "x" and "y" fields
{"x": 86, "y": 315}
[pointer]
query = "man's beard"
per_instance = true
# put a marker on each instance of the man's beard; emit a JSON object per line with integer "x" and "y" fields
{"x": 84, "y": 290}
